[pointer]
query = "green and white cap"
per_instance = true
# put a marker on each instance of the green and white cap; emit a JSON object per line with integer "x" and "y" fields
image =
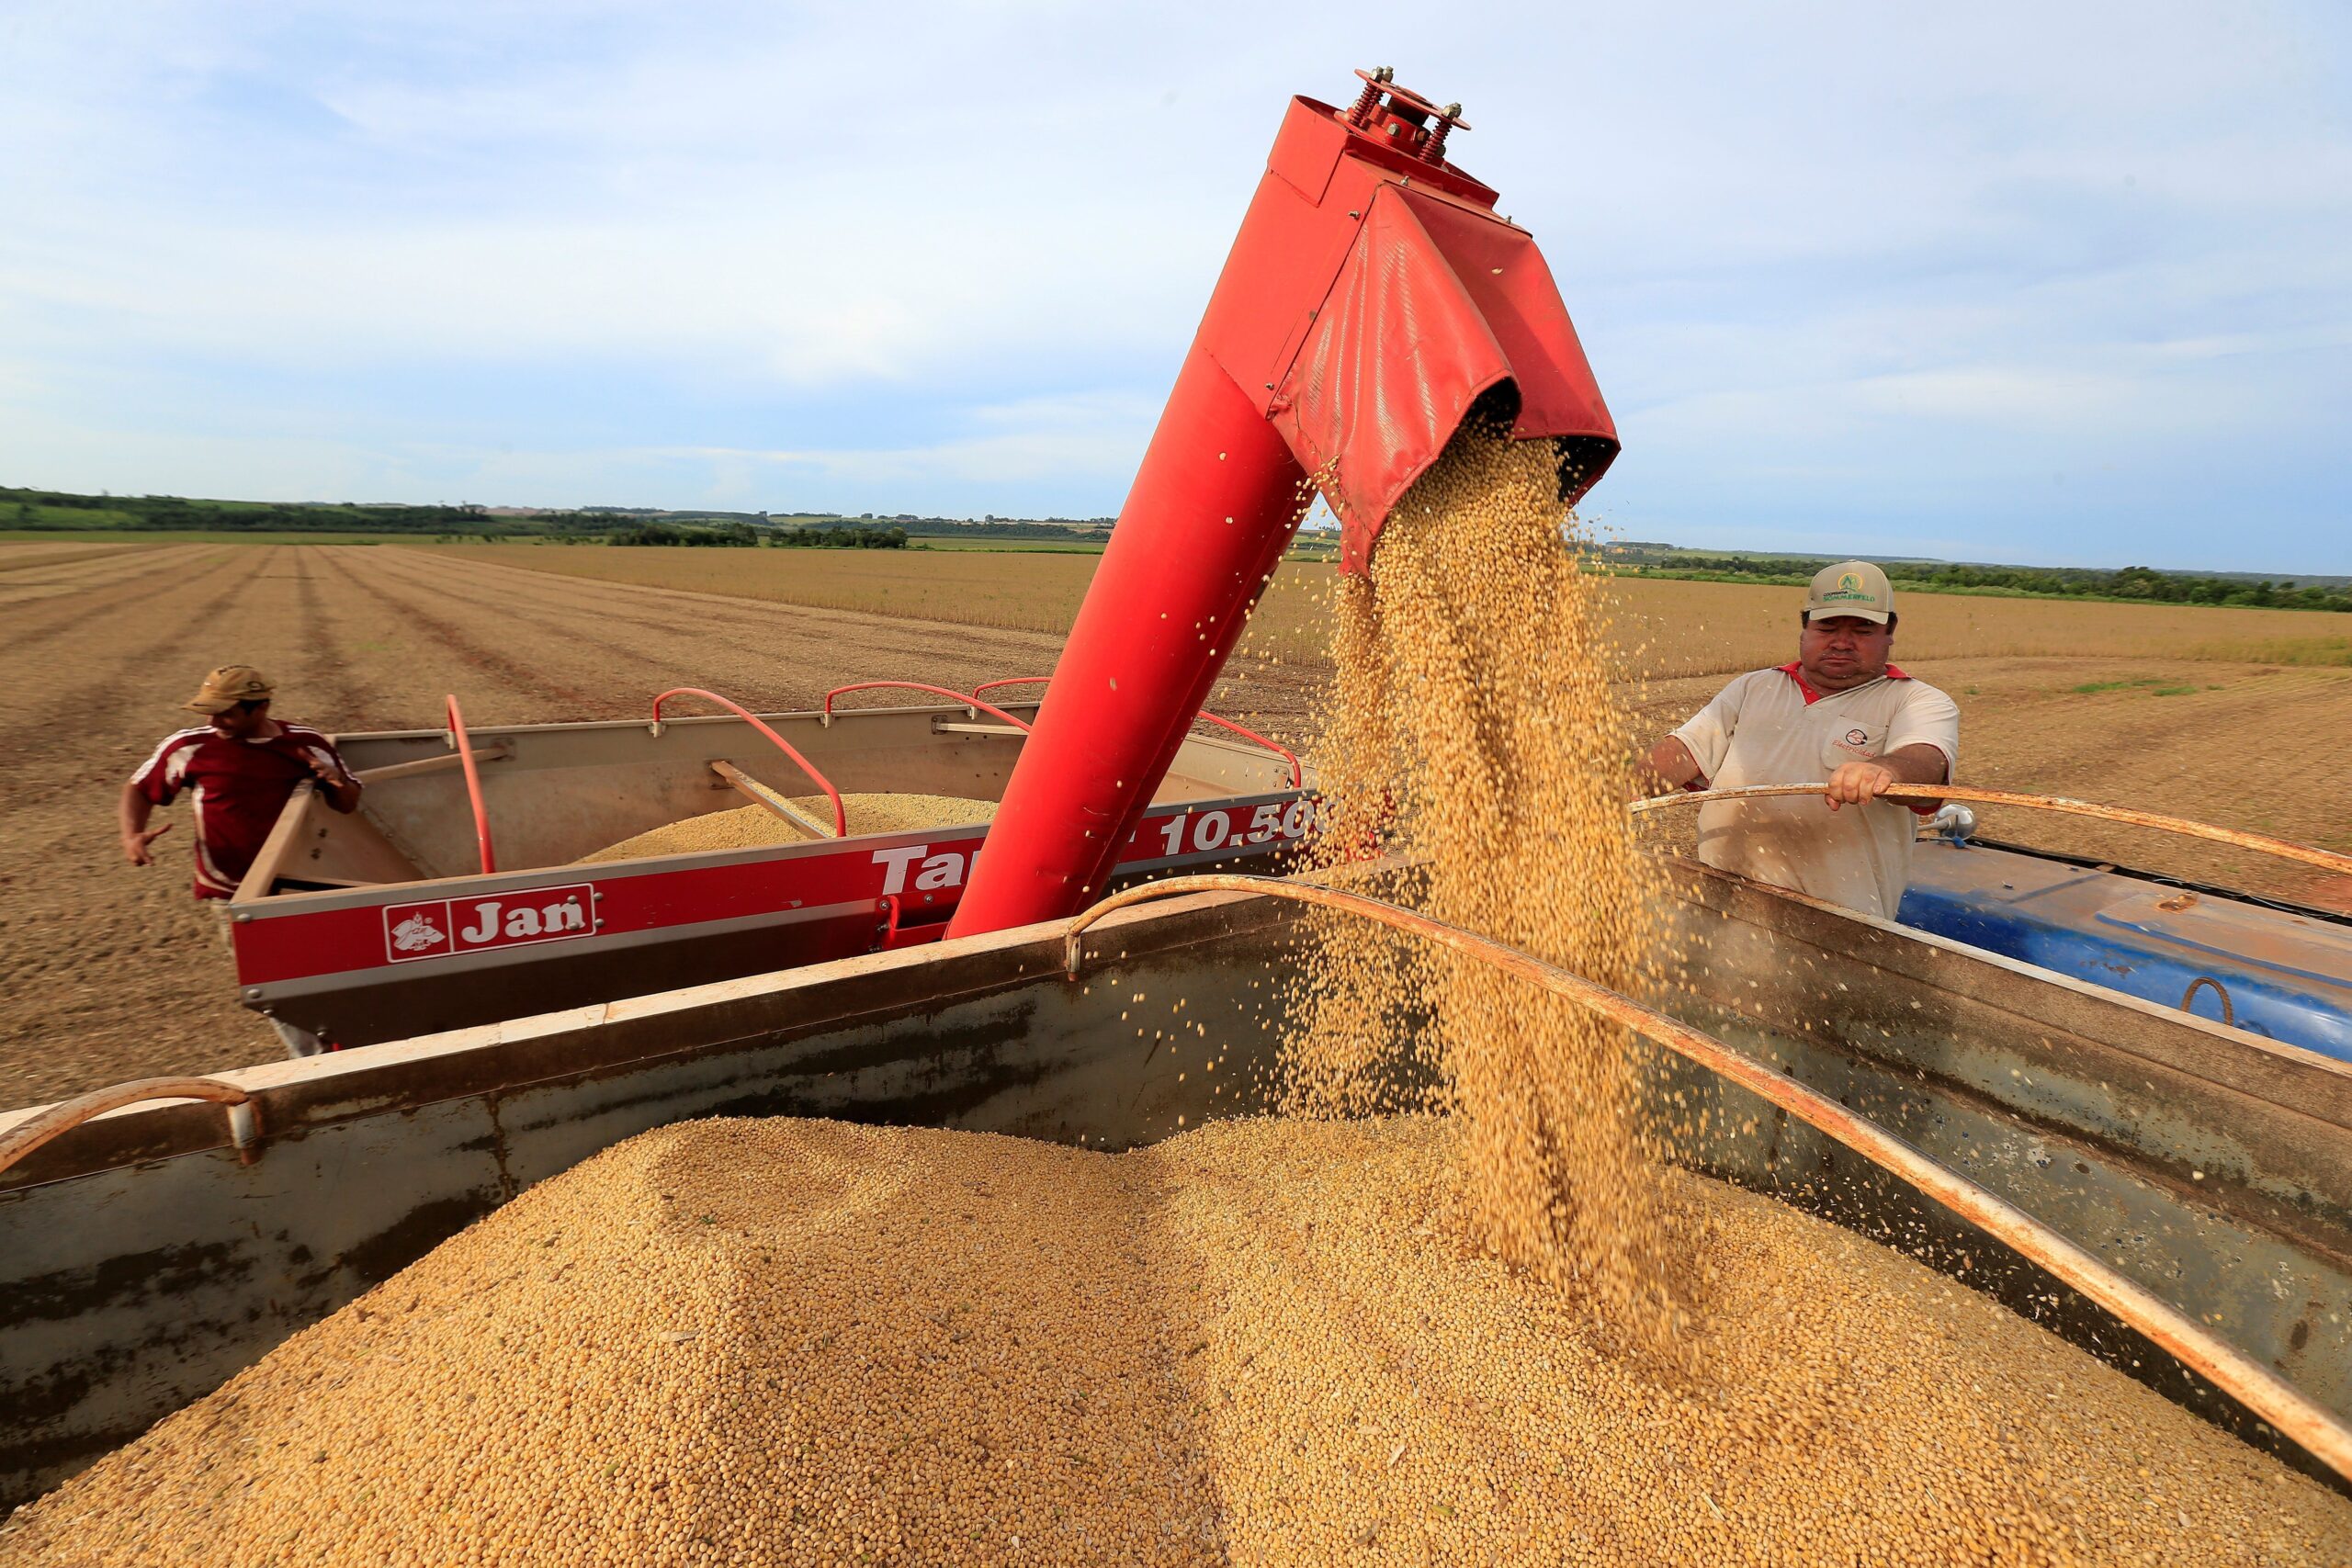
{"x": 1851, "y": 588}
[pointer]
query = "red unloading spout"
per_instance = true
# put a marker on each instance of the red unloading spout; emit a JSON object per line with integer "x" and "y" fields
{"x": 1370, "y": 300}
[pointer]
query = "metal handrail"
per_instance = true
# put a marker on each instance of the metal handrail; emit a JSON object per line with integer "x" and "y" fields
{"x": 840, "y": 812}
{"x": 2327, "y": 860}
{"x": 966, "y": 698}
{"x": 473, "y": 786}
{"x": 1297, "y": 769}
{"x": 67, "y": 1114}
{"x": 2261, "y": 1390}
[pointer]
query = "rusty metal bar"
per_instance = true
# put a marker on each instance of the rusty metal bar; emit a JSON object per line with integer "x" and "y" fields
{"x": 2327, "y": 860}
{"x": 760, "y": 794}
{"x": 67, "y": 1114}
{"x": 498, "y": 751}
{"x": 2259, "y": 1389}
{"x": 2229, "y": 1013}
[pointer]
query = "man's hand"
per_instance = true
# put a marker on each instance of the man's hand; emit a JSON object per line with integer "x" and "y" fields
{"x": 339, "y": 789}
{"x": 1855, "y": 783}
{"x": 1922, "y": 762}
{"x": 134, "y": 844}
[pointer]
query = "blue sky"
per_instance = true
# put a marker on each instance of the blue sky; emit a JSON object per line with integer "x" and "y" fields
{"x": 2047, "y": 283}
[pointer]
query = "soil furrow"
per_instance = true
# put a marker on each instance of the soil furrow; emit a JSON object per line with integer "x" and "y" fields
{"x": 27, "y": 629}
{"x": 1273, "y": 695}
{"x": 781, "y": 657}
{"x": 510, "y": 673}
{"x": 12, "y": 563}
{"x": 408, "y": 672}
{"x": 74, "y": 574}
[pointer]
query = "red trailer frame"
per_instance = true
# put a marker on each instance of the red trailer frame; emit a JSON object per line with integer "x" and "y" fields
{"x": 378, "y": 927}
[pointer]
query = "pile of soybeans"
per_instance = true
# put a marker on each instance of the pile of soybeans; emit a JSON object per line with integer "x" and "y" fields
{"x": 755, "y": 826}
{"x": 783, "y": 1341}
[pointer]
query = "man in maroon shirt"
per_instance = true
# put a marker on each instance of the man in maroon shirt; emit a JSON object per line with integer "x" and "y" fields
{"x": 242, "y": 766}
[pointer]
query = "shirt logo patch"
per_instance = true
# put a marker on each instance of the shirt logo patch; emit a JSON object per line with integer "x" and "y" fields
{"x": 1857, "y": 738}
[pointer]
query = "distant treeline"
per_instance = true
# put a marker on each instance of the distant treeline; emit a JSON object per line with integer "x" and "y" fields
{"x": 743, "y": 534}
{"x": 1093, "y": 530}
{"x": 48, "y": 509}
{"x": 64, "y": 511}
{"x": 2132, "y": 582}
{"x": 870, "y": 538}
{"x": 672, "y": 534}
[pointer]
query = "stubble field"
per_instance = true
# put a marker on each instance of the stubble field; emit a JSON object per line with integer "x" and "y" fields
{"x": 108, "y": 972}
{"x": 1669, "y": 628}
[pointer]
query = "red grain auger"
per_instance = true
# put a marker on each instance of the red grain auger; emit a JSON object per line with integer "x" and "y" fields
{"x": 1372, "y": 299}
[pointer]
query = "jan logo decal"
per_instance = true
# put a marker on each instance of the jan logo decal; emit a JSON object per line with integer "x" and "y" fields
{"x": 470, "y": 925}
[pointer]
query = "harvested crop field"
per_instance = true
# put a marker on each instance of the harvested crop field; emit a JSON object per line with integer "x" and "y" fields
{"x": 108, "y": 973}
{"x": 779, "y": 1341}
{"x": 1668, "y": 627}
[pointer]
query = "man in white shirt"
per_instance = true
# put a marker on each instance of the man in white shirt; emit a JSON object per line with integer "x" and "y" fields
{"x": 1840, "y": 714}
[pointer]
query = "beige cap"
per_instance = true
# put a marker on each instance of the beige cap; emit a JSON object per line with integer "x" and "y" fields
{"x": 227, "y": 686}
{"x": 1851, "y": 588}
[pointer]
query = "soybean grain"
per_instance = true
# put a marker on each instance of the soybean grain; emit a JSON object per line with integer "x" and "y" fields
{"x": 789, "y": 1342}
{"x": 755, "y": 826}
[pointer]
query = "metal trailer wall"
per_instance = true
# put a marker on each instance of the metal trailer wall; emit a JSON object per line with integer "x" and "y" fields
{"x": 140, "y": 1265}
{"x": 2211, "y": 1166}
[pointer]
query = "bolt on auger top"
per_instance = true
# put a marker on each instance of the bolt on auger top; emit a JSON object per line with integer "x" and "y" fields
{"x": 1372, "y": 299}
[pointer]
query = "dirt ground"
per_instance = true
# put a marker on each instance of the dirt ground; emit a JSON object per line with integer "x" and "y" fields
{"x": 108, "y": 972}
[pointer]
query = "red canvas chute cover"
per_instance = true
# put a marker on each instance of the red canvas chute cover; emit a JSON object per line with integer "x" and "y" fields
{"x": 1437, "y": 304}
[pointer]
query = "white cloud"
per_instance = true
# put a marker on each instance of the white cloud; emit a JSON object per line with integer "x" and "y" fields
{"x": 1809, "y": 246}
{"x": 1040, "y": 438}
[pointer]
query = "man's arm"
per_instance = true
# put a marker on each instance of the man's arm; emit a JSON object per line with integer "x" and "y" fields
{"x": 336, "y": 785}
{"x": 135, "y": 835}
{"x": 1670, "y": 766}
{"x": 1692, "y": 753}
{"x": 1921, "y": 763}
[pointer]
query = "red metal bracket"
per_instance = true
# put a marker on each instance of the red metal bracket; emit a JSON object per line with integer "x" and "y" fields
{"x": 894, "y": 934}
{"x": 1407, "y": 116}
{"x": 473, "y": 786}
{"x": 841, "y": 813}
